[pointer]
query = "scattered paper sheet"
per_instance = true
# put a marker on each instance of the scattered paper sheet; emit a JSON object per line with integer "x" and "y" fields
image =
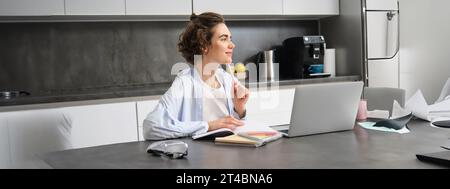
{"x": 417, "y": 105}
{"x": 439, "y": 110}
{"x": 369, "y": 125}
{"x": 445, "y": 93}
{"x": 434, "y": 119}
{"x": 398, "y": 111}
{"x": 381, "y": 114}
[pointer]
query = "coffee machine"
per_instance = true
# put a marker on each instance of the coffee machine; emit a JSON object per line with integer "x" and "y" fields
{"x": 299, "y": 54}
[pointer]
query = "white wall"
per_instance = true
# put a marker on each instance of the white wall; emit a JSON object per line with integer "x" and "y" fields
{"x": 424, "y": 41}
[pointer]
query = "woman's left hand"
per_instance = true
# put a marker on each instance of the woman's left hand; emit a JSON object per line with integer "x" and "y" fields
{"x": 240, "y": 97}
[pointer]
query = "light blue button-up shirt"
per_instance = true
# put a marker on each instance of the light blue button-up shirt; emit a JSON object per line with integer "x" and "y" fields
{"x": 179, "y": 112}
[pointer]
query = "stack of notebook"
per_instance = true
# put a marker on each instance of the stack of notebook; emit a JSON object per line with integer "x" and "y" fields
{"x": 241, "y": 136}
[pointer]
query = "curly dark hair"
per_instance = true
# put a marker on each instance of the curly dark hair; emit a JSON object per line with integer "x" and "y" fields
{"x": 197, "y": 35}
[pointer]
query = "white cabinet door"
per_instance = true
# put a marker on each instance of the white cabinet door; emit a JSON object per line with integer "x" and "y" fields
{"x": 270, "y": 108}
{"x": 158, "y": 7}
{"x": 384, "y": 73}
{"x": 382, "y": 34}
{"x": 239, "y": 7}
{"x": 31, "y": 7}
{"x": 95, "y": 7}
{"x": 269, "y": 101}
{"x": 5, "y": 156}
{"x": 35, "y": 132}
{"x": 143, "y": 108}
{"x": 381, "y": 4}
{"x": 94, "y": 125}
{"x": 311, "y": 7}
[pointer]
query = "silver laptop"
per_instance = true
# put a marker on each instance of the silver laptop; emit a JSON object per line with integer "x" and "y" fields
{"x": 323, "y": 108}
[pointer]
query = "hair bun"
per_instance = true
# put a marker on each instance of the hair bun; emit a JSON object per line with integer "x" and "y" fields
{"x": 193, "y": 16}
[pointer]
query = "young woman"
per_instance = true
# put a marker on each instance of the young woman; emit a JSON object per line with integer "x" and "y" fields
{"x": 203, "y": 97}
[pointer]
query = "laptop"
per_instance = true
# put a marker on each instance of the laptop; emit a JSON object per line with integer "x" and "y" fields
{"x": 323, "y": 108}
{"x": 440, "y": 158}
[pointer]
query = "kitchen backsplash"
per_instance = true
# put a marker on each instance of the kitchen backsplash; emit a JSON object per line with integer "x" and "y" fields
{"x": 42, "y": 57}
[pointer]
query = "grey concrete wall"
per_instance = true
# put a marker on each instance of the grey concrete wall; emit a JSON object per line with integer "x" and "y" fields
{"x": 46, "y": 57}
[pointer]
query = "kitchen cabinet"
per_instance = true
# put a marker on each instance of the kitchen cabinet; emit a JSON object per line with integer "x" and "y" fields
{"x": 143, "y": 108}
{"x": 95, "y": 7}
{"x": 31, "y": 133}
{"x": 384, "y": 73}
{"x": 102, "y": 124}
{"x": 270, "y": 107}
{"x": 382, "y": 44}
{"x": 239, "y": 7}
{"x": 26, "y": 134}
{"x": 268, "y": 101}
{"x": 31, "y": 7}
{"x": 158, "y": 7}
{"x": 310, "y": 7}
{"x": 247, "y": 8}
{"x": 382, "y": 4}
{"x": 5, "y": 157}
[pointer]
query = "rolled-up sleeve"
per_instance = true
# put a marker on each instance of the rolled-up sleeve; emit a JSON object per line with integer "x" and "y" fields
{"x": 236, "y": 115}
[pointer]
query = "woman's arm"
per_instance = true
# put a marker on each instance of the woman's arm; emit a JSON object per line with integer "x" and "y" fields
{"x": 240, "y": 98}
{"x": 163, "y": 122}
{"x": 160, "y": 125}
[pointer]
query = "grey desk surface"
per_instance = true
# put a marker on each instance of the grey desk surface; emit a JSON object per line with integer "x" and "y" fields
{"x": 358, "y": 148}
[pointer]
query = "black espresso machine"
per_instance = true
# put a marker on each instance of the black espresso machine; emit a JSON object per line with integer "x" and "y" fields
{"x": 299, "y": 53}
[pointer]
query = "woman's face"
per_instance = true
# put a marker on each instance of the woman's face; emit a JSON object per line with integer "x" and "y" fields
{"x": 221, "y": 49}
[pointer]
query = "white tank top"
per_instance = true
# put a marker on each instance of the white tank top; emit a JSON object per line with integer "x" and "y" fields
{"x": 214, "y": 102}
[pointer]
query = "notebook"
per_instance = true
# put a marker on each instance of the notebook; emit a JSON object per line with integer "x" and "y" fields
{"x": 238, "y": 141}
{"x": 211, "y": 135}
{"x": 253, "y": 139}
{"x": 244, "y": 135}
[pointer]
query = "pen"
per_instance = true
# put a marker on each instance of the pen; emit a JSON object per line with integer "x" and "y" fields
{"x": 229, "y": 68}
